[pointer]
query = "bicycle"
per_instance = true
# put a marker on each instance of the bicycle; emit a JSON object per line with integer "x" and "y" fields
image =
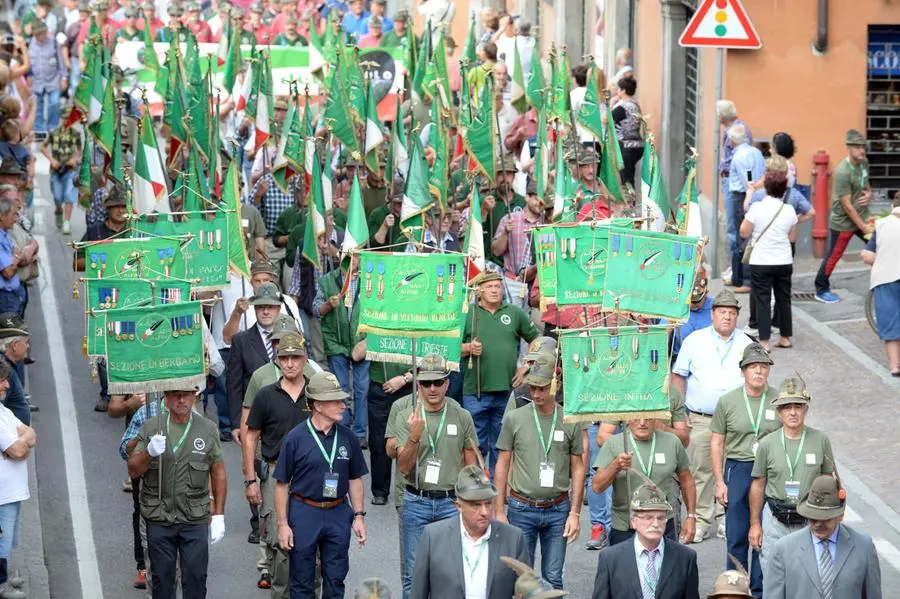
{"x": 870, "y": 311}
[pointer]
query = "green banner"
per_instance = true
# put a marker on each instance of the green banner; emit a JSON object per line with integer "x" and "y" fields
{"x": 580, "y": 264}
{"x": 402, "y": 294}
{"x": 650, "y": 273}
{"x": 133, "y": 258}
{"x": 546, "y": 254}
{"x": 615, "y": 373}
{"x": 397, "y": 349}
{"x": 207, "y": 251}
{"x": 110, "y": 294}
{"x": 155, "y": 349}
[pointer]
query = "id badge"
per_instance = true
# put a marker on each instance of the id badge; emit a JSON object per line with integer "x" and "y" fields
{"x": 792, "y": 491}
{"x": 330, "y": 488}
{"x": 432, "y": 471}
{"x": 755, "y": 447}
{"x": 547, "y": 475}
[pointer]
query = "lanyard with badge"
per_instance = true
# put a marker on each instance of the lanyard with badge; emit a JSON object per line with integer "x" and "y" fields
{"x": 433, "y": 464}
{"x": 660, "y": 458}
{"x": 474, "y": 566}
{"x": 759, "y": 414}
{"x": 546, "y": 471}
{"x": 330, "y": 487}
{"x": 184, "y": 435}
{"x": 727, "y": 344}
{"x": 791, "y": 486}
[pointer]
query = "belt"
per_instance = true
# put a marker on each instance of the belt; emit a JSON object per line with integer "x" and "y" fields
{"x": 322, "y": 505}
{"x": 539, "y": 502}
{"x": 431, "y": 494}
{"x": 705, "y": 415}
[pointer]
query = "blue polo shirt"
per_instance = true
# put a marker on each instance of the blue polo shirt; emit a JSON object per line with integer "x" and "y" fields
{"x": 356, "y": 26}
{"x": 302, "y": 466}
{"x": 698, "y": 319}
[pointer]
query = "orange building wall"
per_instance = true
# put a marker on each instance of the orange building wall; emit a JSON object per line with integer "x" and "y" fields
{"x": 648, "y": 61}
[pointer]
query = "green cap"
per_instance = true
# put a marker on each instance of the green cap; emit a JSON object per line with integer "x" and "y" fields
{"x": 292, "y": 344}
{"x": 324, "y": 386}
{"x": 473, "y": 484}
{"x": 792, "y": 391}
{"x": 825, "y": 500}
{"x": 731, "y": 583}
{"x": 260, "y": 266}
{"x": 174, "y": 10}
{"x": 541, "y": 372}
{"x": 586, "y": 156}
{"x": 401, "y": 15}
{"x": 115, "y": 197}
{"x": 372, "y": 588}
{"x": 487, "y": 276}
{"x": 432, "y": 368}
{"x": 132, "y": 12}
{"x": 507, "y": 164}
{"x": 648, "y": 498}
{"x": 191, "y": 6}
{"x": 12, "y": 325}
{"x": 38, "y": 27}
{"x": 257, "y": 8}
{"x": 281, "y": 103}
{"x": 541, "y": 345}
{"x": 755, "y": 354}
{"x": 854, "y": 138}
{"x": 266, "y": 295}
{"x": 375, "y": 21}
{"x": 529, "y": 584}
{"x": 285, "y": 324}
{"x": 531, "y": 188}
{"x": 725, "y": 299}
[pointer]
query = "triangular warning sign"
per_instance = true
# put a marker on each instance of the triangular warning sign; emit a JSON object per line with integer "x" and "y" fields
{"x": 720, "y": 24}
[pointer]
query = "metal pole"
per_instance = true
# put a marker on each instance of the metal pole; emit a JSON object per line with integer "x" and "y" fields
{"x": 415, "y": 392}
{"x": 714, "y": 234}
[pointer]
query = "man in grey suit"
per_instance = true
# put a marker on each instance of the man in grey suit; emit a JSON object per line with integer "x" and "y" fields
{"x": 459, "y": 552}
{"x": 825, "y": 560}
{"x": 649, "y": 566}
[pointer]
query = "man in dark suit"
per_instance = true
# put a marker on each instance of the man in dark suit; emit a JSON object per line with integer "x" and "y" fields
{"x": 650, "y": 567}
{"x": 458, "y": 552}
{"x": 825, "y": 560}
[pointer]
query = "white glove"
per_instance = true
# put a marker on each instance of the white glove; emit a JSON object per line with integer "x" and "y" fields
{"x": 157, "y": 445}
{"x": 217, "y": 528}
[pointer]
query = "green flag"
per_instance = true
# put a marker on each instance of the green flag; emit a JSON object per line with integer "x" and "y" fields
{"x": 422, "y": 59}
{"x": 417, "y": 199}
{"x": 337, "y": 119}
{"x": 481, "y": 134}
{"x": 315, "y": 218}
{"x": 469, "y": 47}
{"x": 84, "y": 173}
{"x": 397, "y": 154}
{"x": 589, "y": 115}
{"x": 192, "y": 184}
{"x": 465, "y": 102}
{"x": 198, "y": 102}
{"x": 374, "y": 135}
{"x": 176, "y": 108}
{"x": 150, "y": 60}
{"x": 234, "y": 60}
{"x": 517, "y": 82}
{"x": 542, "y": 156}
{"x": 559, "y": 88}
{"x": 437, "y": 78}
{"x": 536, "y": 84}
{"x": 354, "y": 84}
{"x": 564, "y": 208}
{"x": 437, "y": 179}
{"x": 611, "y": 159}
{"x": 82, "y": 99}
{"x": 116, "y": 170}
{"x": 357, "y": 233}
{"x": 104, "y": 129}
{"x": 289, "y": 156}
{"x": 231, "y": 203}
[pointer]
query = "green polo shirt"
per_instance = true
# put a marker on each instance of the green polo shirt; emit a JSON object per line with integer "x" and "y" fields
{"x": 520, "y": 436}
{"x": 288, "y": 219}
{"x": 283, "y": 40}
{"x": 392, "y": 40}
{"x": 732, "y": 420}
{"x": 849, "y": 180}
{"x": 499, "y": 334}
{"x": 373, "y": 198}
{"x": 772, "y": 461}
{"x": 667, "y": 459}
{"x": 457, "y": 434}
{"x": 123, "y": 36}
{"x": 401, "y": 405}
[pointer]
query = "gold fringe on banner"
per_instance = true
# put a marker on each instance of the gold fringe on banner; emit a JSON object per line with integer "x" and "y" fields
{"x": 176, "y": 384}
{"x": 364, "y": 328}
{"x": 615, "y": 416}
{"x": 393, "y": 358}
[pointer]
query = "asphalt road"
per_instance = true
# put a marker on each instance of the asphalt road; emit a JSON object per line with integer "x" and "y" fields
{"x": 84, "y": 543}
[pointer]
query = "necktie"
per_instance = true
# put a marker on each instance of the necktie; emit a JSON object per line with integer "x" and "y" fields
{"x": 269, "y": 351}
{"x": 826, "y": 570}
{"x": 649, "y": 579}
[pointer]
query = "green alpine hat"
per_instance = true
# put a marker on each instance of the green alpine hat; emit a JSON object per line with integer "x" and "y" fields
{"x": 792, "y": 391}
{"x": 375, "y": 21}
{"x": 725, "y": 299}
{"x": 755, "y": 354}
{"x": 174, "y": 10}
{"x": 541, "y": 372}
{"x": 285, "y": 324}
{"x": 266, "y": 295}
{"x": 854, "y": 138}
{"x": 132, "y": 12}
{"x": 257, "y": 8}
{"x": 472, "y": 484}
{"x": 487, "y": 276}
{"x": 291, "y": 344}
{"x": 507, "y": 164}
{"x": 586, "y": 156}
{"x": 432, "y": 368}
{"x": 529, "y": 584}
{"x": 115, "y": 197}
{"x": 731, "y": 584}
{"x": 648, "y": 498}
{"x": 324, "y": 386}
{"x": 12, "y": 325}
{"x": 261, "y": 265}
{"x": 401, "y": 15}
{"x": 38, "y": 28}
{"x": 540, "y": 346}
{"x": 531, "y": 188}
{"x": 372, "y": 588}
{"x": 825, "y": 500}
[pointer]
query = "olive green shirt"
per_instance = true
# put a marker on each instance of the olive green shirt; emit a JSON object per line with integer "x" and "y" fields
{"x": 450, "y": 442}
{"x": 261, "y": 377}
{"x": 254, "y": 226}
{"x": 520, "y": 436}
{"x": 392, "y": 40}
{"x": 849, "y": 180}
{"x": 499, "y": 334}
{"x": 772, "y": 464}
{"x": 667, "y": 460}
{"x": 732, "y": 420}
{"x": 400, "y": 405}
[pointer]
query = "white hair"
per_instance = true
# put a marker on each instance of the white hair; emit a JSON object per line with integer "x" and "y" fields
{"x": 726, "y": 109}
{"x": 5, "y": 343}
{"x": 737, "y": 135}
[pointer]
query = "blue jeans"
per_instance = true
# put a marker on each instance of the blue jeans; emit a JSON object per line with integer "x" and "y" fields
{"x": 9, "y": 523}
{"x": 487, "y": 413}
{"x": 417, "y": 513}
{"x": 49, "y": 101}
{"x": 13, "y": 301}
{"x": 598, "y": 503}
{"x": 341, "y": 366}
{"x": 737, "y": 521}
{"x": 222, "y": 395}
{"x": 63, "y": 187}
{"x": 730, "y": 226}
{"x": 548, "y": 525}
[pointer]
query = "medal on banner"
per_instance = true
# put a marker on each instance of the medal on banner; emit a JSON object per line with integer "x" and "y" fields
{"x": 381, "y": 280}
{"x": 94, "y": 258}
{"x": 369, "y": 268}
{"x": 117, "y": 329}
{"x": 654, "y": 360}
{"x": 688, "y": 254}
{"x": 615, "y": 242}
{"x": 593, "y": 348}
{"x": 613, "y": 344}
{"x": 440, "y": 282}
{"x": 209, "y": 240}
{"x": 635, "y": 347}
{"x": 218, "y": 239}
{"x": 170, "y": 254}
{"x": 173, "y": 322}
{"x": 629, "y": 244}
{"x": 132, "y": 330}
{"x": 576, "y": 360}
{"x": 451, "y": 282}
{"x": 197, "y": 321}
{"x": 676, "y": 253}
{"x": 679, "y": 278}
{"x": 161, "y": 255}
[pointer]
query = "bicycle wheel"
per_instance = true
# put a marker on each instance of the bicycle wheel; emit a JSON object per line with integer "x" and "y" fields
{"x": 870, "y": 311}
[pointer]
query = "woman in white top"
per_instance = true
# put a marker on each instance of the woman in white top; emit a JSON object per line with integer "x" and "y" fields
{"x": 771, "y": 227}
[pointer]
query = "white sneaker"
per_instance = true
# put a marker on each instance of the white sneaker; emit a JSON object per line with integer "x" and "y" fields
{"x": 751, "y": 331}
{"x": 67, "y": 228}
{"x": 721, "y": 531}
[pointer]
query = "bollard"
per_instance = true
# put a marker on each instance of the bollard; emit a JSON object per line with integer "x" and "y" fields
{"x": 821, "y": 202}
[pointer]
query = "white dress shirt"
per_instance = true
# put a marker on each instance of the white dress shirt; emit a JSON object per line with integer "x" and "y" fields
{"x": 711, "y": 366}
{"x": 475, "y": 554}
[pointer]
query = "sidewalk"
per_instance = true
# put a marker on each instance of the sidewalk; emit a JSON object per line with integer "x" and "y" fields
{"x": 28, "y": 557}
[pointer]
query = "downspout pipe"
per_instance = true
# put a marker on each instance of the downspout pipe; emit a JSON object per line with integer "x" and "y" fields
{"x": 820, "y": 45}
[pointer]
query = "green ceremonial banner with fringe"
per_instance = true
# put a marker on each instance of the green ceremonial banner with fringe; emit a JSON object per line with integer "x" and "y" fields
{"x": 580, "y": 264}
{"x": 397, "y": 349}
{"x": 159, "y": 348}
{"x": 111, "y": 294}
{"x": 650, "y": 273}
{"x": 546, "y": 253}
{"x": 615, "y": 373}
{"x": 132, "y": 258}
{"x": 404, "y": 294}
{"x": 207, "y": 251}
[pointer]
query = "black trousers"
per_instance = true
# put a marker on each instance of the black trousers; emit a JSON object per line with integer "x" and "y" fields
{"x": 630, "y": 158}
{"x": 379, "y": 406}
{"x": 764, "y": 280}
{"x": 184, "y": 544}
{"x": 136, "y": 524}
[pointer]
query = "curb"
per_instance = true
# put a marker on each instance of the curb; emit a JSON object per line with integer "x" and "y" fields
{"x": 28, "y": 558}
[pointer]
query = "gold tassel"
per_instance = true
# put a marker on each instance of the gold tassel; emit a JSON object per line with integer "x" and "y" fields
{"x": 84, "y": 347}
{"x": 95, "y": 376}
{"x": 74, "y": 290}
{"x": 553, "y": 385}
{"x": 543, "y": 304}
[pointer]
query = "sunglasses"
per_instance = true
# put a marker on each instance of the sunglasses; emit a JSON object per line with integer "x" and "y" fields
{"x": 436, "y": 383}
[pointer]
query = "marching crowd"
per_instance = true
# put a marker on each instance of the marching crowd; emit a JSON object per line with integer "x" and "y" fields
{"x": 481, "y": 465}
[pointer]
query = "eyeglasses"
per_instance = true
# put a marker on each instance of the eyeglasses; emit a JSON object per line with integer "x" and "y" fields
{"x": 436, "y": 383}
{"x": 651, "y": 517}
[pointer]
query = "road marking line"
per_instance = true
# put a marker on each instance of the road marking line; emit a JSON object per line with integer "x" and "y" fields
{"x": 851, "y": 517}
{"x": 838, "y": 271}
{"x": 844, "y": 321}
{"x": 82, "y": 529}
{"x": 887, "y": 552}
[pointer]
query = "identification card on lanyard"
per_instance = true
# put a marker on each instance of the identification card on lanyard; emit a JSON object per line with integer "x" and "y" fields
{"x": 546, "y": 469}
{"x": 759, "y": 413}
{"x": 331, "y": 480}
{"x": 330, "y": 488}
{"x": 177, "y": 446}
{"x": 433, "y": 464}
{"x": 791, "y": 486}
{"x": 432, "y": 471}
{"x": 646, "y": 469}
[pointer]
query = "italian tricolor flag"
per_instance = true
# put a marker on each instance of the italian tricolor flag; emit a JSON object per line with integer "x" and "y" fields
{"x": 149, "y": 172}
{"x": 475, "y": 240}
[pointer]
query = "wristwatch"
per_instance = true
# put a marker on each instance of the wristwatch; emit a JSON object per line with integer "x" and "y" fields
{"x": 247, "y": 483}
{"x": 355, "y": 514}
{"x": 694, "y": 516}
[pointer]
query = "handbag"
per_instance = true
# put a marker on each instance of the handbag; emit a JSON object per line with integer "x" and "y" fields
{"x": 21, "y": 238}
{"x": 748, "y": 251}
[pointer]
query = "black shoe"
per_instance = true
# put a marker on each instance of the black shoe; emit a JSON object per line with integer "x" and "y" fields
{"x": 225, "y": 436}
{"x": 379, "y": 500}
{"x": 363, "y": 443}
{"x": 33, "y": 407}
{"x": 253, "y": 537}
{"x": 264, "y": 582}
{"x": 102, "y": 405}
